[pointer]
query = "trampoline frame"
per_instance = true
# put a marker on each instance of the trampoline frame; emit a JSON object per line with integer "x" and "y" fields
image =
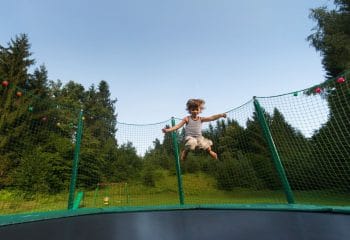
{"x": 238, "y": 221}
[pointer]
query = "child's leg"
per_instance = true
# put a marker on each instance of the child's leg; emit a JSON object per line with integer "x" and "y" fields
{"x": 204, "y": 143}
{"x": 184, "y": 154}
{"x": 212, "y": 153}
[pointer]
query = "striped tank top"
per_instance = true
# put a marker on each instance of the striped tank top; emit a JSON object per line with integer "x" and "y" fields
{"x": 193, "y": 128}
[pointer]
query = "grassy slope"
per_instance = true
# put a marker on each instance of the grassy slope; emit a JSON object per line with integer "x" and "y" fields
{"x": 198, "y": 189}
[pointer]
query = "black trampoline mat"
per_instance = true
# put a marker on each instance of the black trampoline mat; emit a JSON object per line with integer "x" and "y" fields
{"x": 186, "y": 224}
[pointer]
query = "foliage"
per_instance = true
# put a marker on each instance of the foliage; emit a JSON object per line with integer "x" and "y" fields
{"x": 331, "y": 36}
{"x": 39, "y": 127}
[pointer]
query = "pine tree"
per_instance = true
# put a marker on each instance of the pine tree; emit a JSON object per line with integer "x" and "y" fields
{"x": 295, "y": 152}
{"x": 99, "y": 146}
{"x": 259, "y": 153}
{"x": 14, "y": 63}
{"x": 331, "y": 142}
{"x": 331, "y": 37}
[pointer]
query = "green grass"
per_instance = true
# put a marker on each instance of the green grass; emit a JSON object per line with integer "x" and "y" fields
{"x": 18, "y": 202}
{"x": 199, "y": 188}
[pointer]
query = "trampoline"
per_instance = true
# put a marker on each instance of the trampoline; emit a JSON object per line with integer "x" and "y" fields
{"x": 186, "y": 224}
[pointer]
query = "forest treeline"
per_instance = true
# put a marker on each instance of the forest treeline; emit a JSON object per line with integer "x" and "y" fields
{"x": 39, "y": 120}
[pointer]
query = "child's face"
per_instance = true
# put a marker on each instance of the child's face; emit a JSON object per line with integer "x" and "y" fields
{"x": 195, "y": 111}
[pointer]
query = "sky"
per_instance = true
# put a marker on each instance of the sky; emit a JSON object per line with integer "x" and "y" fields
{"x": 156, "y": 54}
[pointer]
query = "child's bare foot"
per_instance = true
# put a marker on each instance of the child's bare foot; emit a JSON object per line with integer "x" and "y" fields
{"x": 213, "y": 154}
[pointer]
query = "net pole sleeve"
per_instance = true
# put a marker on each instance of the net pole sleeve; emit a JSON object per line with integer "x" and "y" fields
{"x": 177, "y": 162}
{"x": 75, "y": 161}
{"x": 275, "y": 156}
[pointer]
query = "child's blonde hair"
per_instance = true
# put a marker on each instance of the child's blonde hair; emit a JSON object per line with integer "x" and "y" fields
{"x": 194, "y": 103}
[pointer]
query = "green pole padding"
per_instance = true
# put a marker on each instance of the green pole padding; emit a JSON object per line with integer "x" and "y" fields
{"x": 78, "y": 200}
{"x": 275, "y": 156}
{"x": 96, "y": 194}
{"x": 177, "y": 161}
{"x": 127, "y": 193}
{"x": 75, "y": 161}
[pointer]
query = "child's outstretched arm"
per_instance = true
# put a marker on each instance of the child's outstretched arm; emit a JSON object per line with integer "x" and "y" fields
{"x": 174, "y": 128}
{"x": 214, "y": 117}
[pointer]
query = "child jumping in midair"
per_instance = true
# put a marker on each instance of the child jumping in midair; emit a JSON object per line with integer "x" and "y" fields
{"x": 193, "y": 128}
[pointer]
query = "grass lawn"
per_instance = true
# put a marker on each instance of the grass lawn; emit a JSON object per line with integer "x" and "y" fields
{"x": 198, "y": 189}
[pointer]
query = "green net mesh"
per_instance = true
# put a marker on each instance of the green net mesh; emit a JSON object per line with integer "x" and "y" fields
{"x": 306, "y": 134}
{"x": 139, "y": 172}
{"x": 311, "y": 130}
{"x": 244, "y": 171}
{"x": 36, "y": 152}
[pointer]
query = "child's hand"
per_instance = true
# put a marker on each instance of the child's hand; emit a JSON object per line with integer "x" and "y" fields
{"x": 224, "y": 115}
{"x": 164, "y": 130}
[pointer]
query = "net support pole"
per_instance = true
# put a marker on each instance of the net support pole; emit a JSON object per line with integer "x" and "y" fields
{"x": 73, "y": 179}
{"x": 275, "y": 156}
{"x": 177, "y": 161}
